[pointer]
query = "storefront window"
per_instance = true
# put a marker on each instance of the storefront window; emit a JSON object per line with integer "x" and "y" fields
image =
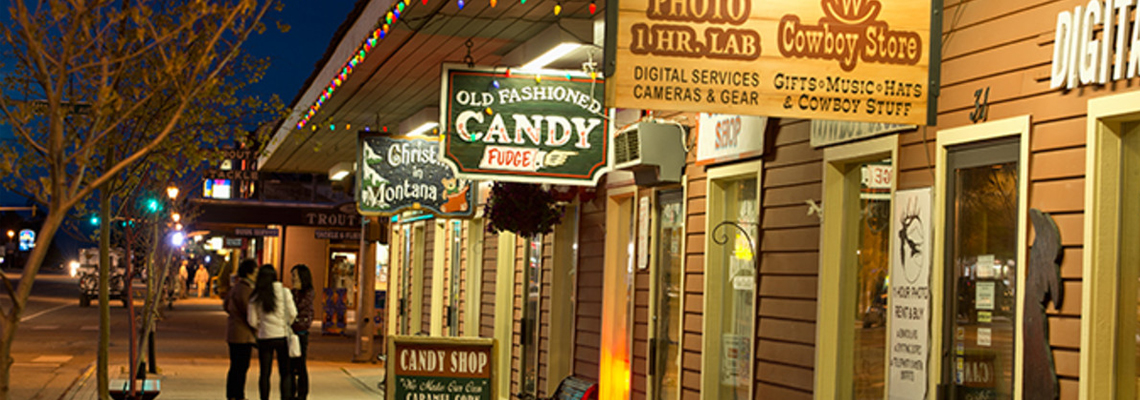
{"x": 869, "y": 256}
{"x": 666, "y": 350}
{"x": 532, "y": 283}
{"x": 737, "y": 283}
{"x": 982, "y": 228}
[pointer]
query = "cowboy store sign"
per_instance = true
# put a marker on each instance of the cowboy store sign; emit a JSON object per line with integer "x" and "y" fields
{"x": 399, "y": 173}
{"x": 854, "y": 60}
{"x": 523, "y": 127}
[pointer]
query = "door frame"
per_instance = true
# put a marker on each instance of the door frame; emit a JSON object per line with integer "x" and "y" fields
{"x": 834, "y": 339}
{"x": 1019, "y": 126}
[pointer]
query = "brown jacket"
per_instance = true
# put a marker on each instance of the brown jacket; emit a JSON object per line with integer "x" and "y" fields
{"x": 237, "y": 306}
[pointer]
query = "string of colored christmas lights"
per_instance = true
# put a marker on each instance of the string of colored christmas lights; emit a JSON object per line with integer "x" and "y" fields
{"x": 391, "y": 17}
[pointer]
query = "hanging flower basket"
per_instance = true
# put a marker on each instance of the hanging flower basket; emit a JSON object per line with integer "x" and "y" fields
{"x": 522, "y": 208}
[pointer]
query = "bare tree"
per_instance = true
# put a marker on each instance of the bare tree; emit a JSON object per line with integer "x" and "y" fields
{"x": 80, "y": 70}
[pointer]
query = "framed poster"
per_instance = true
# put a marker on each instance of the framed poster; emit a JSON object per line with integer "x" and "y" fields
{"x": 909, "y": 299}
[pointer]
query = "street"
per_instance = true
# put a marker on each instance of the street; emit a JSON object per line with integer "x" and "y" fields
{"x": 56, "y": 346}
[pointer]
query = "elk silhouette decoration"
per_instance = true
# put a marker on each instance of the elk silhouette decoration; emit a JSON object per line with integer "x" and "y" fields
{"x": 1043, "y": 286}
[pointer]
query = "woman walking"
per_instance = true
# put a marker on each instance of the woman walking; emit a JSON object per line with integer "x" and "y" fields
{"x": 239, "y": 334}
{"x": 271, "y": 311}
{"x": 303, "y": 296}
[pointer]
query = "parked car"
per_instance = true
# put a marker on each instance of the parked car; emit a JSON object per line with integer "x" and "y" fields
{"x": 88, "y": 272}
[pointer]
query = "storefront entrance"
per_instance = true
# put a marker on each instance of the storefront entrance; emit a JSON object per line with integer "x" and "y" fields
{"x": 981, "y": 265}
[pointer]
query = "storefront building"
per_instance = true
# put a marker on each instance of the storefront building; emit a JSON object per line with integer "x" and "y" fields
{"x": 793, "y": 257}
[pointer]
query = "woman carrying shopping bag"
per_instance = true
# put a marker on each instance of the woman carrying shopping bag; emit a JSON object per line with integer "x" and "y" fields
{"x": 271, "y": 311}
{"x": 303, "y": 296}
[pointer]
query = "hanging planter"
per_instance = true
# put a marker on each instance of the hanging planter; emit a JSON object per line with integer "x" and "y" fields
{"x": 522, "y": 208}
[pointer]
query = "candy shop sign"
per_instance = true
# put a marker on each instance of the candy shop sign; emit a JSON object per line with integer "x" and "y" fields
{"x": 524, "y": 127}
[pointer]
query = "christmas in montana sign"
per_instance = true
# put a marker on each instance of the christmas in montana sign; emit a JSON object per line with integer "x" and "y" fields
{"x": 524, "y": 127}
{"x": 398, "y": 173}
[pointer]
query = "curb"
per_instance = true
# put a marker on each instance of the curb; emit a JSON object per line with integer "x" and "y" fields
{"x": 81, "y": 380}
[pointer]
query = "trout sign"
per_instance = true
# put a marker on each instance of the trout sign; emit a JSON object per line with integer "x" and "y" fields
{"x": 523, "y": 127}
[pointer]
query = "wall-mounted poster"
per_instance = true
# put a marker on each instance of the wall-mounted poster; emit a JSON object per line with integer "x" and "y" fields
{"x": 855, "y": 60}
{"x": 910, "y": 294}
{"x": 524, "y": 127}
{"x": 723, "y": 137}
{"x": 398, "y": 173}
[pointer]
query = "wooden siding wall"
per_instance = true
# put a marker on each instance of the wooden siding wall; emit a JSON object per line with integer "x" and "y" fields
{"x": 544, "y": 314}
{"x": 461, "y": 314}
{"x": 487, "y": 304}
{"x": 693, "y": 281}
{"x": 591, "y": 260}
{"x": 789, "y": 264}
{"x": 641, "y": 321}
{"x": 1007, "y": 46}
{"x": 429, "y": 262}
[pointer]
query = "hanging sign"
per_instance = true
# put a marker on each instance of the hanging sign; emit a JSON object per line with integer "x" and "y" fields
{"x": 399, "y": 173}
{"x": 440, "y": 368}
{"x": 27, "y": 239}
{"x": 723, "y": 137}
{"x": 824, "y": 133}
{"x": 909, "y": 305}
{"x": 524, "y": 127}
{"x": 856, "y": 60}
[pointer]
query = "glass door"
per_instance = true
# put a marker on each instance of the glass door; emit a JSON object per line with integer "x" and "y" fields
{"x": 665, "y": 347}
{"x": 981, "y": 269}
{"x": 867, "y": 254}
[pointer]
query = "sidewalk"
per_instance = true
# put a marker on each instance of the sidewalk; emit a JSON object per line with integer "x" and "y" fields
{"x": 192, "y": 375}
{"x": 205, "y": 379}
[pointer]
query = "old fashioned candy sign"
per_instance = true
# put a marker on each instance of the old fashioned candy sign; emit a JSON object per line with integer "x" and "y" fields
{"x": 398, "y": 173}
{"x": 440, "y": 368}
{"x": 523, "y": 127}
{"x": 855, "y": 60}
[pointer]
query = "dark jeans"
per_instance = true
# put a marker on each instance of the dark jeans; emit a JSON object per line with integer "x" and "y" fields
{"x": 300, "y": 369}
{"x": 266, "y": 348}
{"x": 239, "y": 367}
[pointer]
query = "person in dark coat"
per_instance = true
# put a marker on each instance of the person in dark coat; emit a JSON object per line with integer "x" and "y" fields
{"x": 239, "y": 334}
{"x": 303, "y": 297}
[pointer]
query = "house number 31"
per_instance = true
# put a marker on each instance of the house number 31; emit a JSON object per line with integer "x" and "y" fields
{"x": 981, "y": 105}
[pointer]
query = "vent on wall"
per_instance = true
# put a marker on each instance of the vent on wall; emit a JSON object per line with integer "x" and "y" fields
{"x": 654, "y": 152}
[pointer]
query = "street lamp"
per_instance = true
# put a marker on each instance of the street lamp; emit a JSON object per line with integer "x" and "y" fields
{"x": 176, "y": 217}
{"x": 11, "y": 234}
{"x": 172, "y": 192}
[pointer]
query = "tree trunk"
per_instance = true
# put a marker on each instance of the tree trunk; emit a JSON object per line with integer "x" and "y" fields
{"x": 102, "y": 369}
{"x": 22, "y": 291}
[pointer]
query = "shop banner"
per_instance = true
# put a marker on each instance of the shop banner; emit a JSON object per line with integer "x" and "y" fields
{"x": 547, "y": 127}
{"x": 825, "y": 133}
{"x": 440, "y": 368}
{"x": 399, "y": 173}
{"x": 909, "y": 305}
{"x": 855, "y": 60}
{"x": 723, "y": 137}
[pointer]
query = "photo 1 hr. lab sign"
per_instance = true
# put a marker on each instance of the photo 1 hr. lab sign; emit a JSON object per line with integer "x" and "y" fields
{"x": 854, "y": 60}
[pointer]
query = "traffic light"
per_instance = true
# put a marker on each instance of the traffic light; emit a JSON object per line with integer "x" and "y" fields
{"x": 152, "y": 205}
{"x": 95, "y": 220}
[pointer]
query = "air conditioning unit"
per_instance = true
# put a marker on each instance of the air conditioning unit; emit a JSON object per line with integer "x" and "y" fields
{"x": 654, "y": 152}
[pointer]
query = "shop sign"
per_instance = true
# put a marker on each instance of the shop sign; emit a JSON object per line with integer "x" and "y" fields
{"x": 256, "y": 232}
{"x": 724, "y": 137}
{"x": 336, "y": 235}
{"x": 233, "y": 242}
{"x": 399, "y": 173}
{"x": 1082, "y": 57}
{"x": 524, "y": 127}
{"x": 855, "y": 60}
{"x": 909, "y": 351}
{"x": 440, "y": 368}
{"x": 826, "y": 133}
